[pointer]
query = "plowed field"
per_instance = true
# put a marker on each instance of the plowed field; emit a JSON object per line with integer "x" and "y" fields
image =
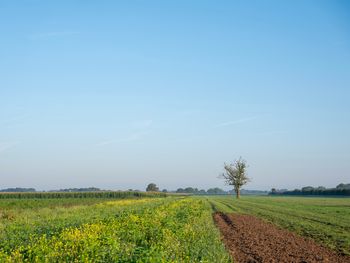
{"x": 250, "y": 239}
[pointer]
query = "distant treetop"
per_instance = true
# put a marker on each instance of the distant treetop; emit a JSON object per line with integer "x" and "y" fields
{"x": 152, "y": 188}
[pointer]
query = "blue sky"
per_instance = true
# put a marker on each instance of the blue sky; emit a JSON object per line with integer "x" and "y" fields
{"x": 117, "y": 94}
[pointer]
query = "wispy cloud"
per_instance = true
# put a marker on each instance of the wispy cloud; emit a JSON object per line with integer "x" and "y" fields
{"x": 229, "y": 123}
{"x": 53, "y": 34}
{"x": 4, "y": 146}
{"x": 131, "y": 138}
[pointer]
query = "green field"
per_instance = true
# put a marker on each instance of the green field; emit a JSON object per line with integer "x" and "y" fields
{"x": 326, "y": 220}
{"x": 171, "y": 229}
{"x": 154, "y": 229}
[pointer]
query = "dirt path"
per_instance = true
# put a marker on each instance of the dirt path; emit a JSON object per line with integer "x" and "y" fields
{"x": 250, "y": 239}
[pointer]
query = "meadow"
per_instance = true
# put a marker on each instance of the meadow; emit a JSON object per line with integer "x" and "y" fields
{"x": 154, "y": 228}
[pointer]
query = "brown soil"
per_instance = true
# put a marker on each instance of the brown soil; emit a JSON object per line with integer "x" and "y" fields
{"x": 250, "y": 239}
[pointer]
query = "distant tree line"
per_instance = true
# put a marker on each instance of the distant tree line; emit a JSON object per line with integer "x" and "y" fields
{"x": 96, "y": 194}
{"x": 18, "y": 190}
{"x": 217, "y": 191}
{"x": 210, "y": 191}
{"x": 340, "y": 190}
{"x": 28, "y": 190}
{"x": 74, "y": 192}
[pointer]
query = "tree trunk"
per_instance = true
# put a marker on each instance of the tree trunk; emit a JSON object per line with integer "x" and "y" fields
{"x": 237, "y": 193}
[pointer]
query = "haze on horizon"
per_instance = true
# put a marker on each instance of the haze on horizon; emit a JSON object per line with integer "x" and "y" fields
{"x": 118, "y": 94}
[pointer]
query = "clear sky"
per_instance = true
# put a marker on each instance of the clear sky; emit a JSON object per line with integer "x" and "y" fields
{"x": 118, "y": 94}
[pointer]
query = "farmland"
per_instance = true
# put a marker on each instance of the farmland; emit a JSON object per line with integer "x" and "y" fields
{"x": 325, "y": 220}
{"x": 156, "y": 228}
{"x": 128, "y": 230}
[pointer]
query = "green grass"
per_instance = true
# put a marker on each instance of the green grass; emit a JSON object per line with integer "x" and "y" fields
{"x": 35, "y": 203}
{"x": 326, "y": 220}
{"x": 172, "y": 229}
{"x": 18, "y": 224}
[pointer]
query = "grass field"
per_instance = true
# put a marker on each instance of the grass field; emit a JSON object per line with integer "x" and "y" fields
{"x": 154, "y": 229}
{"x": 326, "y": 220}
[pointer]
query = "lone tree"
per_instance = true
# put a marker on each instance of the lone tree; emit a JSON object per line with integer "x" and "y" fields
{"x": 152, "y": 188}
{"x": 236, "y": 175}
